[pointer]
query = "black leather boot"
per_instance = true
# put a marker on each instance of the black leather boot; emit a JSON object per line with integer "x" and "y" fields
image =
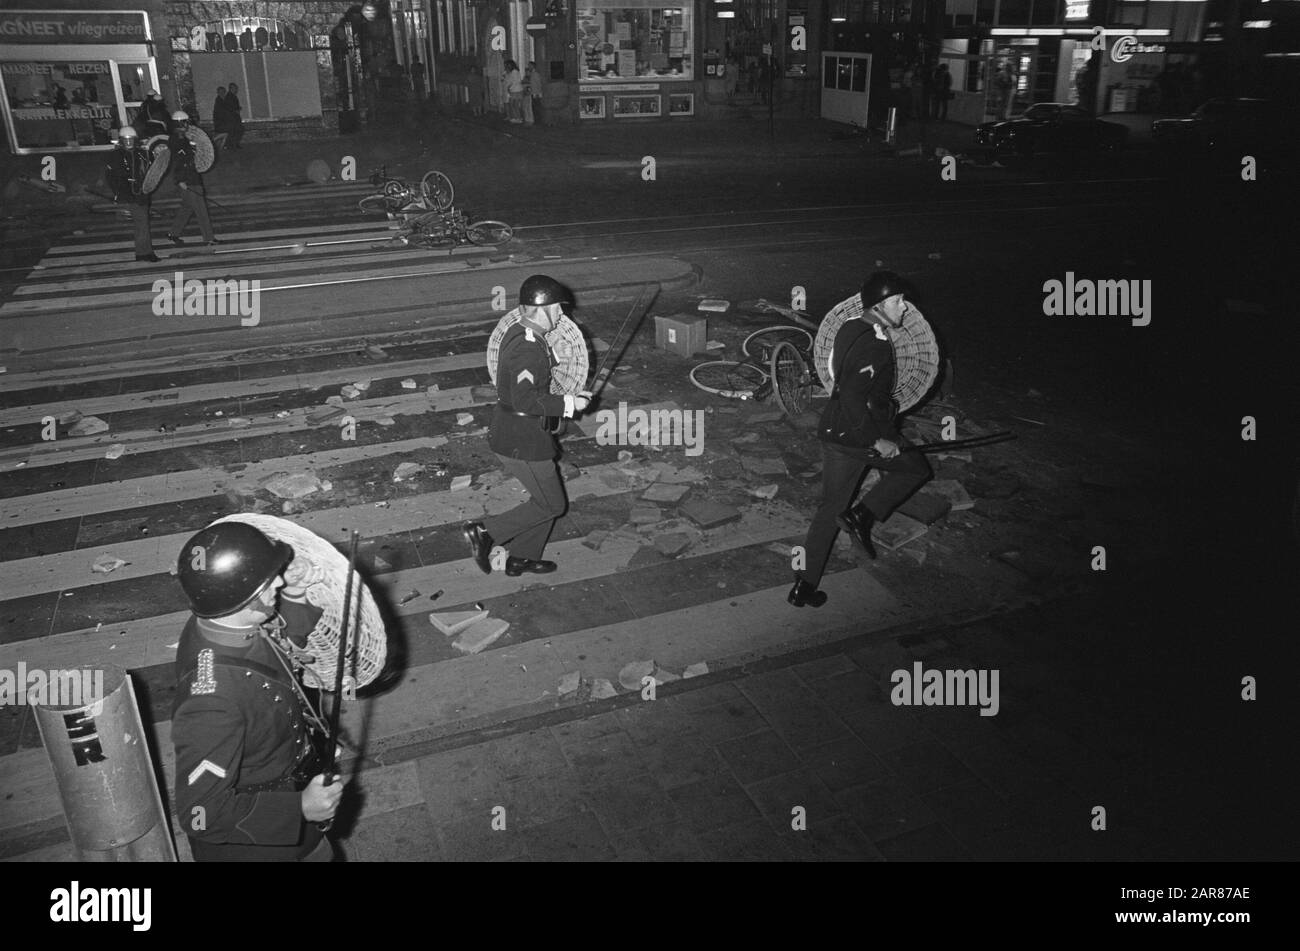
{"x": 803, "y": 593}
{"x": 480, "y": 545}
{"x": 857, "y": 521}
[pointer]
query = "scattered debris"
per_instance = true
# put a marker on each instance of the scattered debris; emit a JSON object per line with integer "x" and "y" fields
{"x": 715, "y": 345}
{"x": 569, "y": 471}
{"x": 714, "y": 306}
{"x": 672, "y": 544}
{"x": 290, "y": 508}
{"x": 709, "y": 514}
{"x": 764, "y": 465}
{"x": 632, "y": 675}
{"x": 569, "y": 682}
{"x": 665, "y": 492}
{"x": 645, "y": 514}
{"x": 361, "y": 385}
{"x": 407, "y": 470}
{"x": 464, "y": 419}
{"x": 409, "y": 384}
{"x": 452, "y": 623}
{"x": 765, "y": 492}
{"x": 106, "y": 563}
{"x": 323, "y": 414}
{"x": 461, "y": 482}
{"x": 595, "y": 539}
{"x": 913, "y": 554}
{"x": 602, "y": 689}
{"x": 409, "y": 596}
{"x": 295, "y": 486}
{"x": 953, "y": 491}
{"x": 334, "y": 401}
{"x": 350, "y": 392}
{"x": 115, "y": 451}
{"x": 376, "y": 353}
{"x": 283, "y": 414}
{"x": 598, "y": 345}
{"x": 672, "y": 476}
{"x": 782, "y": 549}
{"x": 239, "y": 422}
{"x": 386, "y": 421}
{"x": 624, "y": 455}
{"x": 645, "y": 557}
{"x": 897, "y": 531}
{"x": 88, "y": 426}
{"x": 695, "y": 670}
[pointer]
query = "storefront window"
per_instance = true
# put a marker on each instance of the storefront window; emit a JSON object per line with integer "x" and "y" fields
{"x": 60, "y": 105}
{"x": 632, "y": 39}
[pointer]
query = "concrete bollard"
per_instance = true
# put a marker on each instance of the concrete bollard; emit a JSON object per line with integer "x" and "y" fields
{"x": 100, "y": 756}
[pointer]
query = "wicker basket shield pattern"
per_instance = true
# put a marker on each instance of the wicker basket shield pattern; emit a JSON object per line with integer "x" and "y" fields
{"x": 567, "y": 345}
{"x": 916, "y": 352}
{"x": 327, "y": 572}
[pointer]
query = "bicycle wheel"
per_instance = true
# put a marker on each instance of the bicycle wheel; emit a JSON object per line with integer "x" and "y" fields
{"x": 394, "y": 188}
{"x": 742, "y": 381}
{"x": 769, "y": 337}
{"x": 791, "y": 379}
{"x": 374, "y": 203}
{"x": 437, "y": 190}
{"x": 489, "y": 232}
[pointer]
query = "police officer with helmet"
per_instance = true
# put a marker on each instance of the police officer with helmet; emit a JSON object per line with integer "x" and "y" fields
{"x": 245, "y": 789}
{"x": 521, "y": 435}
{"x": 125, "y": 173}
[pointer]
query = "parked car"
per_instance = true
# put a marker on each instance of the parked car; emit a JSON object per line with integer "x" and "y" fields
{"x": 1051, "y": 127}
{"x": 1230, "y": 125}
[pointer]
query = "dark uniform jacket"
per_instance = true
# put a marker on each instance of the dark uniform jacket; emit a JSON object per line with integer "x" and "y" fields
{"x": 182, "y": 161}
{"x": 237, "y": 722}
{"x": 524, "y": 364}
{"x": 861, "y": 408}
{"x": 118, "y": 172}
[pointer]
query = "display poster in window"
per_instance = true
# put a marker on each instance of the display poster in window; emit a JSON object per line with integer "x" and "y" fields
{"x": 60, "y": 105}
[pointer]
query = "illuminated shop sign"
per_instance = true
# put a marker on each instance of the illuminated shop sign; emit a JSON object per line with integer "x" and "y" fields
{"x": 46, "y": 27}
{"x": 1126, "y": 46}
{"x": 1077, "y": 9}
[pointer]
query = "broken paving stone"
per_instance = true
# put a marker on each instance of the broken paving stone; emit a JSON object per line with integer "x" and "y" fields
{"x": 115, "y": 451}
{"x": 598, "y": 345}
{"x": 295, "y": 486}
{"x": 897, "y": 531}
{"x": 709, "y": 514}
{"x": 569, "y": 682}
{"x": 670, "y": 476}
{"x": 569, "y": 471}
{"x": 672, "y": 544}
{"x": 407, "y": 470}
{"x": 645, "y": 514}
{"x": 925, "y": 507}
{"x": 70, "y": 417}
{"x": 951, "y": 490}
{"x": 464, "y": 419}
{"x": 765, "y": 492}
{"x": 239, "y": 422}
{"x": 913, "y": 554}
{"x": 409, "y": 384}
{"x": 106, "y": 563}
{"x": 376, "y": 353}
{"x": 461, "y": 482}
{"x": 452, "y": 623}
{"x": 715, "y": 345}
{"x": 624, "y": 455}
{"x": 480, "y": 635}
{"x": 602, "y": 689}
{"x": 617, "y": 481}
{"x": 88, "y": 426}
{"x": 764, "y": 465}
{"x": 632, "y": 675}
{"x": 595, "y": 539}
{"x": 664, "y": 492}
{"x": 349, "y": 392}
{"x": 664, "y": 676}
{"x": 329, "y": 401}
{"x": 361, "y": 385}
{"x": 290, "y": 507}
{"x": 409, "y": 596}
{"x": 386, "y": 421}
{"x": 714, "y": 306}
{"x": 323, "y": 414}
{"x": 695, "y": 670}
{"x": 645, "y": 557}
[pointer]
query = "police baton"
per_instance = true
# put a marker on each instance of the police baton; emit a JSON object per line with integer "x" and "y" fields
{"x": 331, "y": 747}
{"x": 652, "y": 289}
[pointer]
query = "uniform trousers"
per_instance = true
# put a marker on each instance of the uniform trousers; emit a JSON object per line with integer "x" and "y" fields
{"x": 192, "y": 205}
{"x": 841, "y": 475}
{"x": 525, "y": 529}
{"x": 140, "y": 224}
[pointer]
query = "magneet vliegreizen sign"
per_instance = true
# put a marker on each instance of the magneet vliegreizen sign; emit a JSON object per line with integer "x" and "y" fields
{"x": 1126, "y": 46}
{"x": 49, "y": 27}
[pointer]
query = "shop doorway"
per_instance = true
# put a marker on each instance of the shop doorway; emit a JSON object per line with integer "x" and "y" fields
{"x": 846, "y": 87}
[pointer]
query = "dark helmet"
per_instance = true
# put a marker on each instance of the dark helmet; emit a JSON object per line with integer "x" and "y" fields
{"x": 227, "y": 565}
{"x": 879, "y": 286}
{"x": 540, "y": 290}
